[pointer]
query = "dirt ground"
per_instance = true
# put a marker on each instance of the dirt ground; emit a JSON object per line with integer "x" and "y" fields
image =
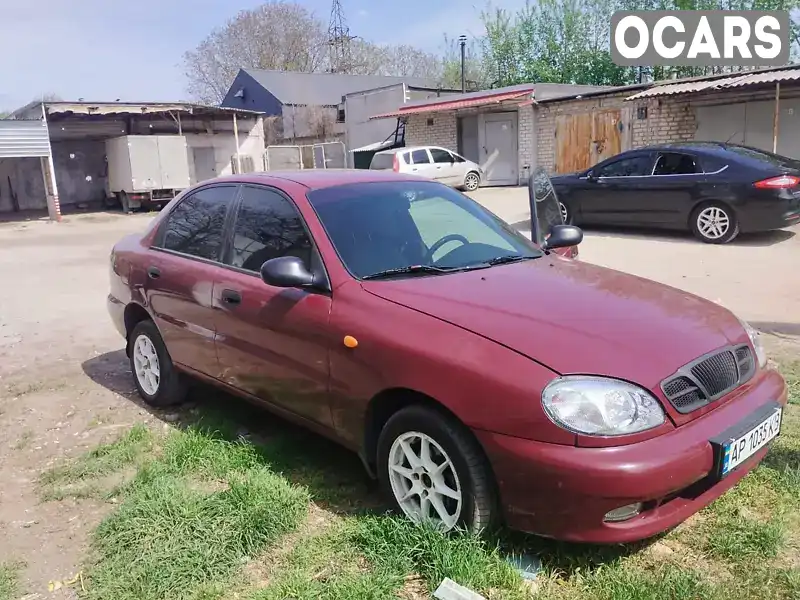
{"x": 65, "y": 383}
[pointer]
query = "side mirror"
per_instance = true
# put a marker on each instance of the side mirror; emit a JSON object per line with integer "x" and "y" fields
{"x": 591, "y": 176}
{"x": 563, "y": 236}
{"x": 286, "y": 272}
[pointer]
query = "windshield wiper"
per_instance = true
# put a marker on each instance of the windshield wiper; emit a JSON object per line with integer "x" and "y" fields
{"x": 429, "y": 269}
{"x": 501, "y": 260}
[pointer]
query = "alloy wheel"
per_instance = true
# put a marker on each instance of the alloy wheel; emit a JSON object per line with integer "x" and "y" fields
{"x": 713, "y": 222}
{"x": 424, "y": 480}
{"x": 145, "y": 360}
{"x": 471, "y": 182}
{"x": 564, "y": 211}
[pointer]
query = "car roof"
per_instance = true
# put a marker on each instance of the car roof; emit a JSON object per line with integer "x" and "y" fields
{"x": 318, "y": 178}
{"x": 709, "y": 147}
{"x": 411, "y": 149}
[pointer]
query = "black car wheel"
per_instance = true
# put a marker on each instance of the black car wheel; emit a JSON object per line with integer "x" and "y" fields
{"x": 433, "y": 470}
{"x": 566, "y": 213}
{"x": 714, "y": 223}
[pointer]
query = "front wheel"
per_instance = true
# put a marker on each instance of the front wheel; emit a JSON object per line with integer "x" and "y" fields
{"x": 472, "y": 181}
{"x": 433, "y": 470}
{"x": 714, "y": 223}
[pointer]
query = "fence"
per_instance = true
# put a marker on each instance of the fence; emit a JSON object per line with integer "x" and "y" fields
{"x": 328, "y": 155}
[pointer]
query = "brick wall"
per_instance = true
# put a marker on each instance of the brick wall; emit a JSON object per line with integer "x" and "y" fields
{"x": 444, "y": 132}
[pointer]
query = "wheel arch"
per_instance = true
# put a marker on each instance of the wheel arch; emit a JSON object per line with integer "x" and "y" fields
{"x": 383, "y": 405}
{"x": 134, "y": 314}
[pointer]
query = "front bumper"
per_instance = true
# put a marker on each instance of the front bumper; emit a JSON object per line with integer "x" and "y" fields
{"x": 564, "y": 492}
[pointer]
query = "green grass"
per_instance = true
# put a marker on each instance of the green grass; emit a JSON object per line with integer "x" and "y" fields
{"x": 9, "y": 580}
{"x": 204, "y": 514}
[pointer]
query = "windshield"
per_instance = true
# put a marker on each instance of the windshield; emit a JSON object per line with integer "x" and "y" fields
{"x": 388, "y": 226}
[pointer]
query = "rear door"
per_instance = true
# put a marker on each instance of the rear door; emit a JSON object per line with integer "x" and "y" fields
{"x": 180, "y": 272}
{"x": 272, "y": 342}
{"x": 668, "y": 195}
{"x": 421, "y": 163}
{"x": 444, "y": 165}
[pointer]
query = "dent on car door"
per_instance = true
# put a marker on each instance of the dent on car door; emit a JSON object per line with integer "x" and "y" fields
{"x": 272, "y": 342}
{"x": 179, "y": 276}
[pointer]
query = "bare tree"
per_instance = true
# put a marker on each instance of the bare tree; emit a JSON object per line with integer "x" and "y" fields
{"x": 277, "y": 35}
{"x": 273, "y": 130}
{"x": 321, "y": 122}
{"x": 283, "y": 35}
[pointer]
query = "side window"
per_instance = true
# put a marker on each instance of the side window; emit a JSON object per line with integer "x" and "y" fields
{"x": 195, "y": 226}
{"x": 267, "y": 226}
{"x": 671, "y": 163}
{"x": 420, "y": 157}
{"x": 626, "y": 167}
{"x": 406, "y": 157}
{"x": 459, "y": 159}
{"x": 441, "y": 156}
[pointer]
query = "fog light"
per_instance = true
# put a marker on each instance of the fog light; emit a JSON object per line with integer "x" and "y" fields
{"x": 623, "y": 513}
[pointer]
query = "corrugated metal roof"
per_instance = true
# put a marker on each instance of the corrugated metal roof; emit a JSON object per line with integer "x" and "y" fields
{"x": 700, "y": 85}
{"x": 483, "y": 100}
{"x": 323, "y": 89}
{"x": 23, "y": 139}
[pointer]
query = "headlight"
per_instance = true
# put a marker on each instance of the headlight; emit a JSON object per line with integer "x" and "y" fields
{"x": 600, "y": 406}
{"x": 755, "y": 339}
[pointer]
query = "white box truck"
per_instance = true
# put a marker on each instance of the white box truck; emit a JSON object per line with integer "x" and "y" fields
{"x": 147, "y": 170}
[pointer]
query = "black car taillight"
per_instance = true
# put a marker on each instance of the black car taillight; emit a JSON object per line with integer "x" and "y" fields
{"x": 781, "y": 182}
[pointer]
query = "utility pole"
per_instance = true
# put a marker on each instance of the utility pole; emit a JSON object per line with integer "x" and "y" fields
{"x": 462, "y": 41}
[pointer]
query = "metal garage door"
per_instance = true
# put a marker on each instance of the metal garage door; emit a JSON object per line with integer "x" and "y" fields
{"x": 751, "y": 123}
{"x": 24, "y": 139}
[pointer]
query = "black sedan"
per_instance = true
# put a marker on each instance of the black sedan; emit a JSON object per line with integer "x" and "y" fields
{"x": 716, "y": 190}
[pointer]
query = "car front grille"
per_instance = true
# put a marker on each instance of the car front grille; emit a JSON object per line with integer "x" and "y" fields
{"x": 708, "y": 378}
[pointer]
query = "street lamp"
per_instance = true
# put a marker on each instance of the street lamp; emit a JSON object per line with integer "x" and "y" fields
{"x": 462, "y": 41}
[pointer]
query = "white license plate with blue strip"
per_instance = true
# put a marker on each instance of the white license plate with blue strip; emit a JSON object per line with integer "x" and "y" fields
{"x": 738, "y": 450}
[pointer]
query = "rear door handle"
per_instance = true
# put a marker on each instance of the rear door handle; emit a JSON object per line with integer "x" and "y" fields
{"x": 153, "y": 272}
{"x": 231, "y": 297}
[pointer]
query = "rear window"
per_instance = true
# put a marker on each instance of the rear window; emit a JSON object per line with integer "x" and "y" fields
{"x": 382, "y": 161}
{"x": 764, "y": 157}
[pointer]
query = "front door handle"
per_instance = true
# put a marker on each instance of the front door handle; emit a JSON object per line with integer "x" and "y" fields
{"x": 153, "y": 272}
{"x": 231, "y": 297}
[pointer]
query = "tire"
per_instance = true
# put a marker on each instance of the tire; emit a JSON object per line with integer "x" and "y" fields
{"x": 714, "y": 223}
{"x": 472, "y": 181}
{"x": 468, "y": 473}
{"x": 146, "y": 350}
{"x": 566, "y": 212}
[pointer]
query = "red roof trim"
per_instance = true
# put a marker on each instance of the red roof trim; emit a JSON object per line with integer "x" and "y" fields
{"x": 457, "y": 104}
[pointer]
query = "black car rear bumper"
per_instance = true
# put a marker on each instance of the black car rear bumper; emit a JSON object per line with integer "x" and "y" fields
{"x": 766, "y": 216}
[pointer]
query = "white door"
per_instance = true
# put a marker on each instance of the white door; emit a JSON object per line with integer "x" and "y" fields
{"x": 444, "y": 166}
{"x": 500, "y": 161}
{"x": 205, "y": 163}
{"x": 421, "y": 164}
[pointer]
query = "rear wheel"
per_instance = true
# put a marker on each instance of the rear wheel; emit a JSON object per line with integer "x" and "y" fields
{"x": 714, "y": 223}
{"x": 157, "y": 381}
{"x": 566, "y": 213}
{"x": 433, "y": 470}
{"x": 472, "y": 181}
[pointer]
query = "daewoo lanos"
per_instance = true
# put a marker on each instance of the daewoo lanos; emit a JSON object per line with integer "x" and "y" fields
{"x": 481, "y": 376}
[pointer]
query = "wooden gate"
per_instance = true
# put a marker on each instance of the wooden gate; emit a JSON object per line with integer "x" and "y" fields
{"x": 583, "y": 140}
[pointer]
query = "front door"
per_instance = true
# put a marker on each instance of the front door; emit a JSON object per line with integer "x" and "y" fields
{"x": 272, "y": 342}
{"x": 444, "y": 165}
{"x": 613, "y": 190}
{"x": 179, "y": 276}
{"x": 500, "y": 161}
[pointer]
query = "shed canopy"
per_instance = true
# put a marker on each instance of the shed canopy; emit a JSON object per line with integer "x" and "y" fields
{"x": 448, "y": 103}
{"x": 717, "y": 83}
{"x": 24, "y": 139}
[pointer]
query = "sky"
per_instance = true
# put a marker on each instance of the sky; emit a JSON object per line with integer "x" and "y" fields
{"x": 110, "y": 49}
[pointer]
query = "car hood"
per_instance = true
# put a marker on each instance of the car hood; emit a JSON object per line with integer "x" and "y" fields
{"x": 574, "y": 317}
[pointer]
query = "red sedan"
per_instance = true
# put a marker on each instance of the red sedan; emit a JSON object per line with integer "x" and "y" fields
{"x": 481, "y": 377}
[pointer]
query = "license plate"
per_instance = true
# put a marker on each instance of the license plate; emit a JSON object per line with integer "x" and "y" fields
{"x": 734, "y": 450}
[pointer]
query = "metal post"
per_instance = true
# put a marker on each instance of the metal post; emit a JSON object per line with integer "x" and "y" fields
{"x": 236, "y": 139}
{"x": 49, "y": 176}
{"x": 775, "y": 117}
{"x": 180, "y": 127}
{"x": 462, "y": 40}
